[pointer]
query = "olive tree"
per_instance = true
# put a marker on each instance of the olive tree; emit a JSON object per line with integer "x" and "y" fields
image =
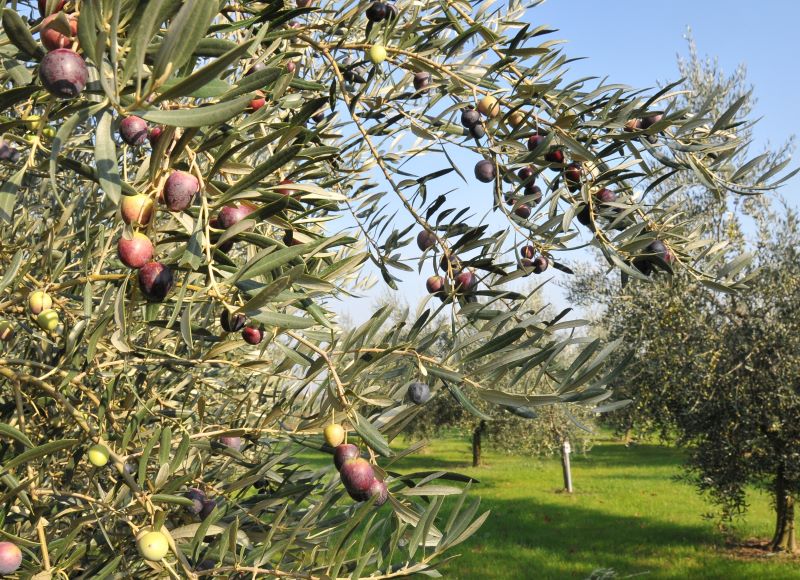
{"x": 177, "y": 173}
{"x": 713, "y": 371}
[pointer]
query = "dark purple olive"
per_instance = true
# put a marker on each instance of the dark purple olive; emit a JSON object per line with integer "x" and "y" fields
{"x": 451, "y": 260}
{"x": 477, "y": 131}
{"x": 232, "y": 322}
{"x": 605, "y": 196}
{"x": 419, "y": 393}
{"x": 63, "y": 73}
{"x": 650, "y": 120}
{"x": 523, "y": 211}
{"x": 485, "y": 171}
{"x": 155, "y": 281}
{"x": 534, "y": 193}
{"x": 422, "y": 81}
{"x": 660, "y": 249}
{"x": 534, "y": 141}
{"x": 377, "y": 11}
{"x": 573, "y": 172}
{"x": 555, "y": 156}
{"x": 259, "y": 66}
{"x": 208, "y": 507}
{"x": 133, "y": 130}
{"x": 470, "y": 117}
{"x": 198, "y": 497}
{"x": 526, "y": 174}
{"x": 585, "y": 216}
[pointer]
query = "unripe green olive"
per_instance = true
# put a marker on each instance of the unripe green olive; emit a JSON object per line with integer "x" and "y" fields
{"x": 334, "y": 434}
{"x": 48, "y": 320}
{"x": 98, "y": 455}
{"x": 153, "y": 546}
{"x": 38, "y": 301}
{"x": 377, "y": 53}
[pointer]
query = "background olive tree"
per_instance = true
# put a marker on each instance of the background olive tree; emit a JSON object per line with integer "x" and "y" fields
{"x": 300, "y": 132}
{"x": 717, "y": 372}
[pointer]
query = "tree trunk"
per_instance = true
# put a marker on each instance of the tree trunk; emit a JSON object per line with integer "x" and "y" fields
{"x": 784, "y": 539}
{"x": 476, "y": 443}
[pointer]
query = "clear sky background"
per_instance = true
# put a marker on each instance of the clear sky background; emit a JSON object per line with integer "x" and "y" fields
{"x": 636, "y": 42}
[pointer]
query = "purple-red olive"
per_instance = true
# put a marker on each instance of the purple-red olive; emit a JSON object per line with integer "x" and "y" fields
{"x": 357, "y": 475}
{"x": 231, "y": 215}
{"x": 52, "y": 38}
{"x": 135, "y": 251}
{"x": 555, "y": 156}
{"x": 179, "y": 190}
{"x": 434, "y": 284}
{"x": 466, "y": 281}
{"x": 345, "y": 453}
{"x": 426, "y": 240}
{"x": 252, "y": 335}
{"x": 231, "y": 441}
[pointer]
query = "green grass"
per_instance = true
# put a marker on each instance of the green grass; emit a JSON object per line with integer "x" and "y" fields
{"x": 627, "y": 513}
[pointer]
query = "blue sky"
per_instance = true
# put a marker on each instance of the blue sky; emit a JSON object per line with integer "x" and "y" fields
{"x": 636, "y": 42}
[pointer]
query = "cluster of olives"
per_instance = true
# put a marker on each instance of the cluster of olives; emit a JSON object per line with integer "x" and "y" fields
{"x": 40, "y": 307}
{"x": 357, "y": 474}
{"x": 63, "y": 73}
{"x": 153, "y": 545}
{"x": 573, "y": 175}
{"x": 465, "y": 280}
{"x": 8, "y": 153}
{"x": 238, "y": 322}
{"x": 471, "y": 120}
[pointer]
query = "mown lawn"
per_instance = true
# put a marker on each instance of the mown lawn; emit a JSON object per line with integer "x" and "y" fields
{"x": 627, "y": 513}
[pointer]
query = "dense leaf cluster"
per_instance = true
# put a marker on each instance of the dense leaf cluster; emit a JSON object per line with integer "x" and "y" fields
{"x": 287, "y": 116}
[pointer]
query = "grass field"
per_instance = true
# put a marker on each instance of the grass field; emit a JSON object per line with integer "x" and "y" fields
{"x": 627, "y": 513}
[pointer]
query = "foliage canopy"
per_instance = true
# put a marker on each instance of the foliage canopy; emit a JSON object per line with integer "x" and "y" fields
{"x": 275, "y": 108}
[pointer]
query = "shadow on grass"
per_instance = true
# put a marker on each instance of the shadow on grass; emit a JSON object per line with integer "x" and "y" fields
{"x": 528, "y": 540}
{"x": 431, "y": 463}
{"x": 646, "y": 455}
